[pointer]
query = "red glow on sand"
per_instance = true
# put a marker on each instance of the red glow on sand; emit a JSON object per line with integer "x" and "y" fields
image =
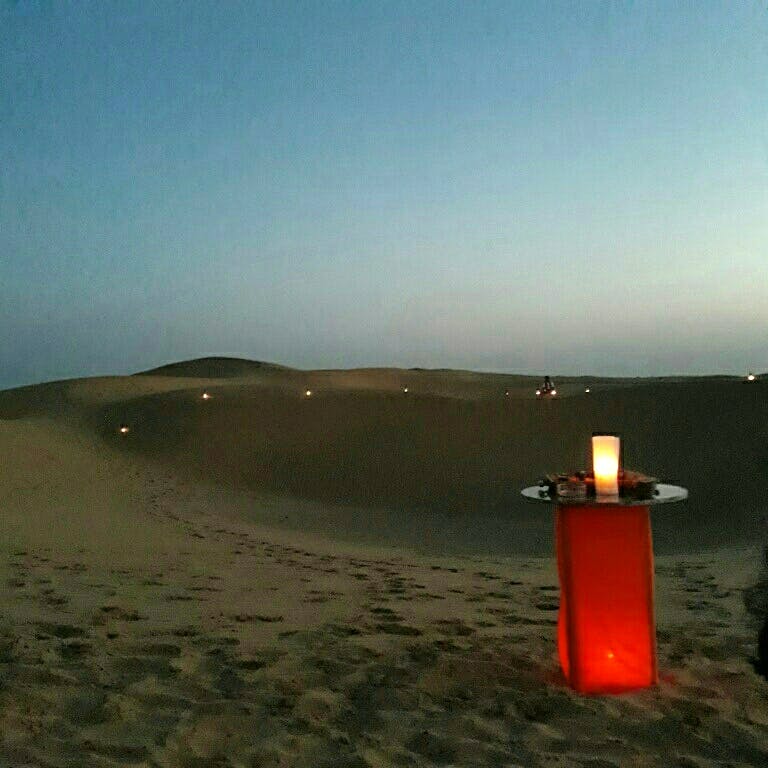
{"x": 606, "y": 629}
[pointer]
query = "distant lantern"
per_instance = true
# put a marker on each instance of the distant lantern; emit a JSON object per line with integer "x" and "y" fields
{"x": 308, "y": 393}
{"x": 506, "y": 393}
{"x": 587, "y": 390}
{"x": 553, "y": 392}
{"x": 124, "y": 430}
{"x": 751, "y": 377}
{"x": 206, "y": 396}
{"x": 538, "y": 392}
{"x": 405, "y": 390}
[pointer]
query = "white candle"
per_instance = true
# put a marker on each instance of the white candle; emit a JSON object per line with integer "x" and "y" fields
{"x": 605, "y": 464}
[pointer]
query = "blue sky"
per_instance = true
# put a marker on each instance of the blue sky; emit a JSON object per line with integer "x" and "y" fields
{"x": 569, "y": 187}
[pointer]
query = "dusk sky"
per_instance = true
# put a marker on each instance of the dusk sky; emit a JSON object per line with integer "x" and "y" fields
{"x": 510, "y": 186}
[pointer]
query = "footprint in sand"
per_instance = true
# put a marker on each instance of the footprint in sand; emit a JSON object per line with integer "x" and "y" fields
{"x": 251, "y": 618}
{"x": 166, "y": 650}
{"x": 134, "y": 668}
{"x": 453, "y": 628}
{"x": 499, "y": 595}
{"x": 119, "y": 614}
{"x": 61, "y": 631}
{"x": 432, "y": 746}
{"x": 7, "y": 647}
{"x": 343, "y": 630}
{"x": 55, "y": 601}
{"x": 387, "y": 613}
{"x": 86, "y": 707}
{"x": 71, "y": 650}
{"x": 395, "y": 628}
{"x": 486, "y": 575}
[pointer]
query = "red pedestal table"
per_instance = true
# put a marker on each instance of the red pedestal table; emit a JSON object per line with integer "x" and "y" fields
{"x": 606, "y": 635}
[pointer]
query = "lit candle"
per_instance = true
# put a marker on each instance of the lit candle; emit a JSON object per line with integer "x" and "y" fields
{"x": 308, "y": 393}
{"x": 206, "y": 396}
{"x": 751, "y": 377}
{"x": 605, "y": 463}
{"x": 124, "y": 430}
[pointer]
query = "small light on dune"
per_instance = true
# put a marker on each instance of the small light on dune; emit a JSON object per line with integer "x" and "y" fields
{"x": 751, "y": 377}
{"x": 124, "y": 430}
{"x": 308, "y": 393}
{"x": 206, "y": 396}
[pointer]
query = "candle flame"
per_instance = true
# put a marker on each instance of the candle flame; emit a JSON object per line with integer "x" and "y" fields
{"x": 605, "y": 464}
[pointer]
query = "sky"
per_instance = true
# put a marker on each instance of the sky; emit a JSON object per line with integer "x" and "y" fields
{"x": 573, "y": 188}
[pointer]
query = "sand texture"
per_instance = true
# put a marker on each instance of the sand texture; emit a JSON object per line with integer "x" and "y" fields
{"x": 265, "y": 579}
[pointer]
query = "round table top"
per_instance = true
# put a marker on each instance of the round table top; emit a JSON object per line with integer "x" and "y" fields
{"x": 665, "y": 494}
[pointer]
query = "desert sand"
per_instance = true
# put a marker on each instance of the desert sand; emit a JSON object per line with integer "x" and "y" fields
{"x": 351, "y": 579}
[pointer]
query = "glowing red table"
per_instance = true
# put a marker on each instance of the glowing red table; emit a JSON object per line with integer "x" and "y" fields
{"x": 606, "y": 627}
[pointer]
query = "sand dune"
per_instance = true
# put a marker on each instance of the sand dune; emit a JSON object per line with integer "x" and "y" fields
{"x": 213, "y": 368}
{"x": 446, "y": 467}
{"x": 265, "y": 579}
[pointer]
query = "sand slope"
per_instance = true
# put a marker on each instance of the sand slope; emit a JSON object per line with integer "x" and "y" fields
{"x": 155, "y": 612}
{"x": 444, "y": 461}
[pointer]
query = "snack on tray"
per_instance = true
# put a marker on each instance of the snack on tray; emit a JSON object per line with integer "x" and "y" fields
{"x": 581, "y": 485}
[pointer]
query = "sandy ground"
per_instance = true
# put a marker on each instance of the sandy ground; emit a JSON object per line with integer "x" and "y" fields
{"x": 152, "y": 617}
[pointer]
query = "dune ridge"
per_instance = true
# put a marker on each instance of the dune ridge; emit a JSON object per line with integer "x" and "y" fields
{"x": 212, "y": 368}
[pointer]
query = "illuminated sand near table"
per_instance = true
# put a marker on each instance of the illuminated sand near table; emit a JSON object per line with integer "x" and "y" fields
{"x": 262, "y": 578}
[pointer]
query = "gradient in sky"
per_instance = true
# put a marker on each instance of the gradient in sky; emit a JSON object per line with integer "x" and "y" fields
{"x": 510, "y": 186}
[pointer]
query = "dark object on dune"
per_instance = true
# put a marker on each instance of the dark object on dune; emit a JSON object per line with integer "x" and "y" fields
{"x": 547, "y": 389}
{"x": 761, "y": 667}
{"x": 756, "y": 602}
{"x": 632, "y": 485}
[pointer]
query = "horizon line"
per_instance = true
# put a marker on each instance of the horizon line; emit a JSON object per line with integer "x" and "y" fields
{"x": 409, "y": 369}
